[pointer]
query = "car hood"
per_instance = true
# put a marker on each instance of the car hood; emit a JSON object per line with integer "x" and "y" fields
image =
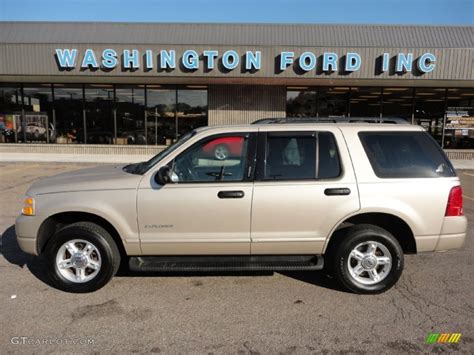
{"x": 110, "y": 177}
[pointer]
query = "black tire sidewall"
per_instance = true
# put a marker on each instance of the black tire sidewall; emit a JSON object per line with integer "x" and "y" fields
{"x": 360, "y": 235}
{"x": 101, "y": 240}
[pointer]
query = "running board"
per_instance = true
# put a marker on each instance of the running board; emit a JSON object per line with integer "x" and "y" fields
{"x": 226, "y": 263}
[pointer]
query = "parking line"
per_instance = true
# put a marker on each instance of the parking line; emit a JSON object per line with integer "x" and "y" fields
{"x": 468, "y": 174}
{"x": 468, "y": 197}
{"x": 19, "y": 169}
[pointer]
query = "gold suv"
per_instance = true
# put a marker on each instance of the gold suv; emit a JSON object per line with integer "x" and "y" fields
{"x": 349, "y": 197}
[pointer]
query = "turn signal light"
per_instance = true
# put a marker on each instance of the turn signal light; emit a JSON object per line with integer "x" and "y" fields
{"x": 28, "y": 207}
{"x": 454, "y": 206}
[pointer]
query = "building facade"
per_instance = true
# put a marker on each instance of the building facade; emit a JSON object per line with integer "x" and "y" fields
{"x": 147, "y": 84}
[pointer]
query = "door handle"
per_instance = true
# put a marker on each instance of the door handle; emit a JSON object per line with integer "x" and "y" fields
{"x": 341, "y": 191}
{"x": 230, "y": 194}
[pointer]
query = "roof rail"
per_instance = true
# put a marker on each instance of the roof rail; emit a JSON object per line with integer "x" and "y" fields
{"x": 390, "y": 120}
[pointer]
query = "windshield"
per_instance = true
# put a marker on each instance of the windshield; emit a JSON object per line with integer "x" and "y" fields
{"x": 143, "y": 167}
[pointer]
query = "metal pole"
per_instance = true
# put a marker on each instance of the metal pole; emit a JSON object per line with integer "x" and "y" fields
{"x": 146, "y": 115}
{"x": 115, "y": 115}
{"x": 176, "y": 113}
{"x": 381, "y": 104}
{"x": 444, "y": 116}
{"x": 22, "y": 117}
{"x": 54, "y": 110}
{"x": 84, "y": 113}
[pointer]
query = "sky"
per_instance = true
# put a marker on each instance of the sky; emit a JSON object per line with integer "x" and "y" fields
{"x": 418, "y": 12}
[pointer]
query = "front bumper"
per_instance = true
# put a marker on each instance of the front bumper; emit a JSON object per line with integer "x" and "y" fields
{"x": 26, "y": 229}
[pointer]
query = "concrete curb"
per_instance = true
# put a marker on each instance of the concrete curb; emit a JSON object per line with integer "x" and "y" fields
{"x": 129, "y": 158}
{"x": 72, "y": 158}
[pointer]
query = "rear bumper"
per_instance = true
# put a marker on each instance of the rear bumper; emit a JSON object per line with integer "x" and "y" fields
{"x": 450, "y": 241}
{"x": 452, "y": 234}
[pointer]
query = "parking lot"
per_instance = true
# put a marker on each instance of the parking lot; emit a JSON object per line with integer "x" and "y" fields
{"x": 253, "y": 313}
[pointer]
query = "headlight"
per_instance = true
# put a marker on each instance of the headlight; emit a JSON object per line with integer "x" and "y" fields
{"x": 28, "y": 206}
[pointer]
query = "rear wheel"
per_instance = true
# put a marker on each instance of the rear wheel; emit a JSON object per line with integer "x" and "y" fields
{"x": 368, "y": 260}
{"x": 82, "y": 257}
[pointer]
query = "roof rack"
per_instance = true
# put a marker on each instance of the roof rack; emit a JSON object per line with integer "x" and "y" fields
{"x": 389, "y": 120}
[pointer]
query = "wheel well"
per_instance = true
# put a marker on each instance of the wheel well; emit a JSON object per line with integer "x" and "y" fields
{"x": 55, "y": 222}
{"x": 395, "y": 225}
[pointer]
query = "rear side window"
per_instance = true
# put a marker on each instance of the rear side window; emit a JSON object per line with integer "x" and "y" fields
{"x": 405, "y": 155}
{"x": 301, "y": 156}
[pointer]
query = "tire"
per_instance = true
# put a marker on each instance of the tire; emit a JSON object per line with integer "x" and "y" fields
{"x": 369, "y": 260}
{"x": 221, "y": 152}
{"x": 100, "y": 262}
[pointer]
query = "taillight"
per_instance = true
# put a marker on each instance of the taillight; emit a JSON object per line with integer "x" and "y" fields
{"x": 454, "y": 206}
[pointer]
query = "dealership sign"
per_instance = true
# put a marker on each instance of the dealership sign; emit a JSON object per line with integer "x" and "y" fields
{"x": 227, "y": 61}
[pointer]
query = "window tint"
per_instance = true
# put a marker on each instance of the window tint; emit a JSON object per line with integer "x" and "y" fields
{"x": 217, "y": 159}
{"x": 293, "y": 156}
{"x": 329, "y": 166}
{"x": 405, "y": 155}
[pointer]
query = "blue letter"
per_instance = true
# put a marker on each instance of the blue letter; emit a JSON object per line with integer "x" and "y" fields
{"x": 167, "y": 59}
{"x": 304, "y": 64}
{"x": 385, "y": 62}
{"x": 353, "y": 62}
{"x": 227, "y": 62}
{"x": 131, "y": 61}
{"x": 89, "y": 59}
{"x": 404, "y": 62}
{"x": 286, "y": 59}
{"x": 109, "y": 58}
{"x": 211, "y": 56}
{"x": 426, "y": 63}
{"x": 253, "y": 60}
{"x": 191, "y": 59}
{"x": 329, "y": 60}
{"x": 148, "y": 59}
{"x": 66, "y": 57}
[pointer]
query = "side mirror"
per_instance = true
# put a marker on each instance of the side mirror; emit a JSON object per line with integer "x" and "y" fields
{"x": 163, "y": 176}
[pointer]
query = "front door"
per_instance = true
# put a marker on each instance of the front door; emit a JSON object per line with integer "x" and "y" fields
{"x": 304, "y": 186}
{"x": 206, "y": 210}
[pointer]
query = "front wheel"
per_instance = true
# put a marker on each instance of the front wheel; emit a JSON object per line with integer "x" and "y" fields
{"x": 369, "y": 260}
{"x": 82, "y": 257}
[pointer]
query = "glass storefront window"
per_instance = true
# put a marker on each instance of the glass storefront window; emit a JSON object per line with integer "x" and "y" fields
{"x": 69, "y": 115}
{"x": 130, "y": 114}
{"x": 10, "y": 112}
{"x": 99, "y": 102}
{"x": 459, "y": 130}
{"x": 365, "y": 102}
{"x": 160, "y": 113}
{"x": 333, "y": 102}
{"x": 398, "y": 102}
{"x": 38, "y": 114}
{"x": 429, "y": 110}
{"x": 301, "y": 103}
{"x": 191, "y": 110}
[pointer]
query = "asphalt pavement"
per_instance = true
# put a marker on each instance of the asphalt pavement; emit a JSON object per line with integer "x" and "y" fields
{"x": 251, "y": 313}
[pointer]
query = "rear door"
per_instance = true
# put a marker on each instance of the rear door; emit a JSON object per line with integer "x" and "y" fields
{"x": 304, "y": 187}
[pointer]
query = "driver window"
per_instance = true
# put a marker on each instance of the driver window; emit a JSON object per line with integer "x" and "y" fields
{"x": 220, "y": 158}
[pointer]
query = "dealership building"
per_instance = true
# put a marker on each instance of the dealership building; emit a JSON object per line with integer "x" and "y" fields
{"x": 130, "y": 85}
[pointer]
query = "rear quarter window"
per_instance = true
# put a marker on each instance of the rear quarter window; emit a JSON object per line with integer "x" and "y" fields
{"x": 405, "y": 155}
